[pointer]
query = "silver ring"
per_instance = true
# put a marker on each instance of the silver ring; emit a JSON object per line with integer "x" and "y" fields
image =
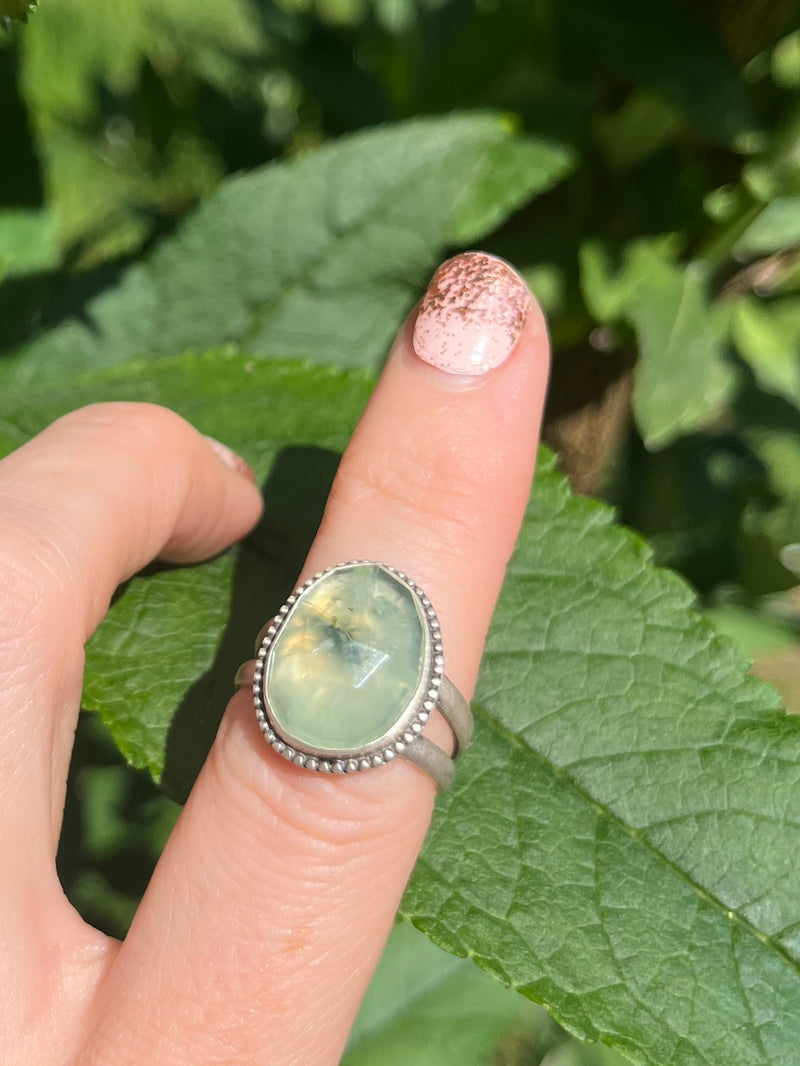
{"x": 350, "y": 670}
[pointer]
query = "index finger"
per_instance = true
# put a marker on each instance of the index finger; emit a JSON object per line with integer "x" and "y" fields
{"x": 272, "y": 901}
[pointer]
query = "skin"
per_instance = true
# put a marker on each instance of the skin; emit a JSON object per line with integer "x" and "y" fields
{"x": 271, "y": 904}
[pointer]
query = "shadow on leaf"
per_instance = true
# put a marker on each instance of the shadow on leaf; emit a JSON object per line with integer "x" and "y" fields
{"x": 266, "y": 571}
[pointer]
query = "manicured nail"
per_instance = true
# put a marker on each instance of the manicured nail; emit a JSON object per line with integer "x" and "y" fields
{"x": 472, "y": 314}
{"x": 231, "y": 458}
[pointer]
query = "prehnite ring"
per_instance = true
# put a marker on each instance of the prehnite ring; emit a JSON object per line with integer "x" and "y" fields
{"x": 350, "y": 670}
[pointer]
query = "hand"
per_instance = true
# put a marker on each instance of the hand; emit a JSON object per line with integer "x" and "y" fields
{"x": 269, "y": 908}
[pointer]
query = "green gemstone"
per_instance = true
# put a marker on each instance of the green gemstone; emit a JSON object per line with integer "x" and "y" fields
{"x": 348, "y": 660}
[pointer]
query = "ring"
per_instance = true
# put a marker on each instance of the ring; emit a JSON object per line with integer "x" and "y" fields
{"x": 351, "y": 669}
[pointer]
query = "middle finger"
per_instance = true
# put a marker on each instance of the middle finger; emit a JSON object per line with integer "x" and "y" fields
{"x": 271, "y": 903}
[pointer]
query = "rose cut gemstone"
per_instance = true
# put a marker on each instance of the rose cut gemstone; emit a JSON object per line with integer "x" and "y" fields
{"x": 347, "y": 661}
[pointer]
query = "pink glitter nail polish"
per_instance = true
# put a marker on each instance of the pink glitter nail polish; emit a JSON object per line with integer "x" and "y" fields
{"x": 472, "y": 314}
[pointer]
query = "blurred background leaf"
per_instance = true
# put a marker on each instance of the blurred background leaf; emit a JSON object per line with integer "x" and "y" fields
{"x": 325, "y": 268}
{"x": 28, "y": 242}
{"x": 427, "y": 1007}
{"x": 15, "y": 9}
{"x": 682, "y": 378}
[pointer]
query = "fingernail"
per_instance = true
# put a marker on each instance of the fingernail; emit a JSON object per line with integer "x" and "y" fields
{"x": 472, "y": 314}
{"x": 231, "y": 458}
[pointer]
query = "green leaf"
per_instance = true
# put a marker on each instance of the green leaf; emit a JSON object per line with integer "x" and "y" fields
{"x": 28, "y": 242}
{"x": 609, "y": 292}
{"x": 317, "y": 258}
{"x": 16, "y": 9}
{"x": 528, "y": 164}
{"x": 640, "y": 128}
{"x": 290, "y": 422}
{"x": 427, "y": 1008}
{"x": 775, "y": 229}
{"x": 606, "y": 293}
{"x": 767, "y": 337}
{"x": 620, "y": 843}
{"x": 115, "y": 686}
{"x": 665, "y": 47}
{"x": 682, "y": 378}
{"x": 785, "y": 62}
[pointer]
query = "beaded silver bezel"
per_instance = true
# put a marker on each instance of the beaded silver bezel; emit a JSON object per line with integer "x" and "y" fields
{"x": 410, "y": 722}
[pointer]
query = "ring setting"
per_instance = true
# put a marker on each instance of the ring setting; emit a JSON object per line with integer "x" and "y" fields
{"x": 349, "y": 672}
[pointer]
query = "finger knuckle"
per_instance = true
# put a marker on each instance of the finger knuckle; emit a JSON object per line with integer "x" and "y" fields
{"x": 147, "y": 424}
{"x": 42, "y": 545}
{"x": 136, "y": 438}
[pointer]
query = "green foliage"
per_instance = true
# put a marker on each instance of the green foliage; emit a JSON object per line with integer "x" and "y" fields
{"x": 115, "y": 828}
{"x": 103, "y": 166}
{"x": 340, "y": 241}
{"x": 28, "y": 242}
{"x": 16, "y": 9}
{"x": 768, "y": 339}
{"x": 426, "y": 1007}
{"x": 775, "y": 229}
{"x": 431, "y": 1009}
{"x": 619, "y": 844}
{"x": 662, "y": 46}
{"x": 586, "y": 855}
{"x": 683, "y": 379}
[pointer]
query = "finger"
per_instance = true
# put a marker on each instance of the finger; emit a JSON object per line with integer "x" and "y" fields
{"x": 271, "y": 903}
{"x": 85, "y": 504}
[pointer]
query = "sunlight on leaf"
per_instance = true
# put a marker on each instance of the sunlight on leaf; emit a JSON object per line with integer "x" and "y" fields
{"x": 776, "y": 228}
{"x": 768, "y": 338}
{"x": 28, "y": 242}
{"x": 317, "y": 258}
